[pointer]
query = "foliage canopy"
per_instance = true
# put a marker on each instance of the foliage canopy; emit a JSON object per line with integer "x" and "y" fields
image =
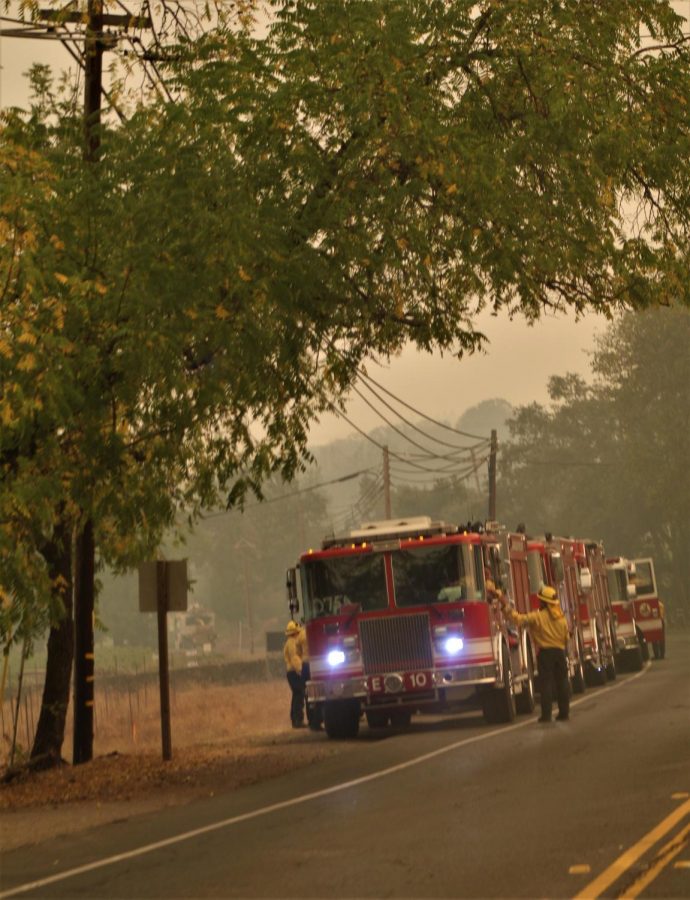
{"x": 360, "y": 175}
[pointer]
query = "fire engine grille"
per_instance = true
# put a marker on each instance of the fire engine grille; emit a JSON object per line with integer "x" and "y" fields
{"x": 394, "y": 644}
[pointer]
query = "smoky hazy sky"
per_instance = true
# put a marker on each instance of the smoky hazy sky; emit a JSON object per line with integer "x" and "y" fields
{"x": 518, "y": 361}
{"x": 515, "y": 367}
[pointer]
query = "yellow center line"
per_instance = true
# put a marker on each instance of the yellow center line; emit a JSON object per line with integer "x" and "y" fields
{"x": 664, "y": 857}
{"x": 595, "y": 888}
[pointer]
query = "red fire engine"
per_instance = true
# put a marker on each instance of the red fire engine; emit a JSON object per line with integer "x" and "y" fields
{"x": 398, "y": 621}
{"x": 505, "y": 564}
{"x": 622, "y": 593}
{"x": 648, "y": 609}
{"x": 596, "y": 612}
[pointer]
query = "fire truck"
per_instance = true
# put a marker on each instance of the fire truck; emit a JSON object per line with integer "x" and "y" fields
{"x": 398, "y": 621}
{"x": 505, "y": 564}
{"x": 648, "y": 610}
{"x": 546, "y": 567}
{"x": 622, "y": 592}
{"x": 595, "y": 612}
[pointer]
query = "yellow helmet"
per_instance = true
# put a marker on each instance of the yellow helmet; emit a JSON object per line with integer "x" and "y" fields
{"x": 547, "y": 594}
{"x": 292, "y": 628}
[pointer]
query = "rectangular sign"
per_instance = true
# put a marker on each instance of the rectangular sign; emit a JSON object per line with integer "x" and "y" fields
{"x": 174, "y": 585}
{"x": 396, "y": 683}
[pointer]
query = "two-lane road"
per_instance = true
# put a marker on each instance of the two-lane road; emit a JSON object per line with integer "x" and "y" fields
{"x": 454, "y": 808}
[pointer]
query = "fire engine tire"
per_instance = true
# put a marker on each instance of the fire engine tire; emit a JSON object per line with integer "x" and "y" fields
{"x": 634, "y": 660}
{"x": 376, "y": 718}
{"x": 525, "y": 702}
{"x": 659, "y": 648}
{"x": 401, "y": 718}
{"x": 578, "y": 679}
{"x": 341, "y": 719}
{"x": 498, "y": 703}
{"x": 596, "y": 676}
{"x": 611, "y": 670}
{"x": 644, "y": 646}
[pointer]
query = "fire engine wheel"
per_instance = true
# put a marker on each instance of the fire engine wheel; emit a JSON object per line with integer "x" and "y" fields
{"x": 596, "y": 675}
{"x": 644, "y": 646}
{"x": 659, "y": 648}
{"x": 341, "y": 718}
{"x": 524, "y": 702}
{"x": 376, "y": 718}
{"x": 578, "y": 679}
{"x": 634, "y": 660}
{"x": 498, "y": 703}
{"x": 611, "y": 670}
{"x": 400, "y": 718}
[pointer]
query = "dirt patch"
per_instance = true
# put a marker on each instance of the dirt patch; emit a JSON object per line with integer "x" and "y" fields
{"x": 224, "y": 737}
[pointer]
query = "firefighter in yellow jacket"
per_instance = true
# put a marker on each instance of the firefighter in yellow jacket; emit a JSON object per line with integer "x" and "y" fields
{"x": 549, "y": 628}
{"x": 314, "y": 714}
{"x": 293, "y": 665}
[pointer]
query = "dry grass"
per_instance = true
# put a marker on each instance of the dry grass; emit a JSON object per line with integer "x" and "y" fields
{"x": 127, "y": 720}
{"x": 223, "y": 737}
{"x": 199, "y": 715}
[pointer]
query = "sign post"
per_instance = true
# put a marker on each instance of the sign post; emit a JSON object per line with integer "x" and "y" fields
{"x": 163, "y": 588}
{"x": 163, "y": 669}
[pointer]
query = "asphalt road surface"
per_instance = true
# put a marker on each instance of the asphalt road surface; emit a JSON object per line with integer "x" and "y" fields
{"x": 596, "y": 807}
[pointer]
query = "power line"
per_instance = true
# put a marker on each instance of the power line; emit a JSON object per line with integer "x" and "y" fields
{"x": 462, "y": 449}
{"x": 459, "y": 474}
{"x": 371, "y": 440}
{"x": 367, "y": 378}
{"x": 417, "y": 412}
{"x": 359, "y": 509}
{"x": 428, "y": 454}
{"x": 448, "y": 467}
{"x": 564, "y": 462}
{"x": 312, "y": 487}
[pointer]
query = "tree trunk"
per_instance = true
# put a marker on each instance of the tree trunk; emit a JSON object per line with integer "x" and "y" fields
{"x": 50, "y": 732}
{"x": 83, "y": 646}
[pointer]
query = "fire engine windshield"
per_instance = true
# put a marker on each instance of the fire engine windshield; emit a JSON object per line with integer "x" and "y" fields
{"x": 643, "y": 580}
{"x": 438, "y": 574}
{"x": 618, "y": 588}
{"x": 357, "y": 581}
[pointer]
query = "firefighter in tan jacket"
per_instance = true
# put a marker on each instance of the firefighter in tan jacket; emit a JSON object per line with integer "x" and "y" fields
{"x": 549, "y": 628}
{"x": 293, "y": 664}
{"x": 314, "y": 713}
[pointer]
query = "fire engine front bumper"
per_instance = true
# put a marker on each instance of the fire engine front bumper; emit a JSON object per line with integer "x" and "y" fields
{"x": 394, "y": 684}
{"x": 629, "y": 642}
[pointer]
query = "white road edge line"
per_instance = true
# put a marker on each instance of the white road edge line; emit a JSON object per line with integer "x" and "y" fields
{"x": 285, "y": 804}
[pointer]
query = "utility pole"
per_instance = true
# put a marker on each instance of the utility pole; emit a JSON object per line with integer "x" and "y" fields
{"x": 93, "y": 79}
{"x": 387, "y": 483}
{"x": 84, "y": 600}
{"x": 492, "y": 476}
{"x": 162, "y": 604}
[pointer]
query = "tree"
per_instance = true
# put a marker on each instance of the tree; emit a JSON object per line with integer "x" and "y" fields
{"x": 364, "y": 174}
{"x": 609, "y": 459}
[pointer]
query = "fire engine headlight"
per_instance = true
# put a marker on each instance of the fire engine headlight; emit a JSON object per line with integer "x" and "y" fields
{"x": 335, "y": 658}
{"x": 453, "y": 645}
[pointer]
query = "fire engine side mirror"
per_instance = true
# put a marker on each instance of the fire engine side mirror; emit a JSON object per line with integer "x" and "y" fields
{"x": 291, "y": 587}
{"x": 585, "y": 579}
